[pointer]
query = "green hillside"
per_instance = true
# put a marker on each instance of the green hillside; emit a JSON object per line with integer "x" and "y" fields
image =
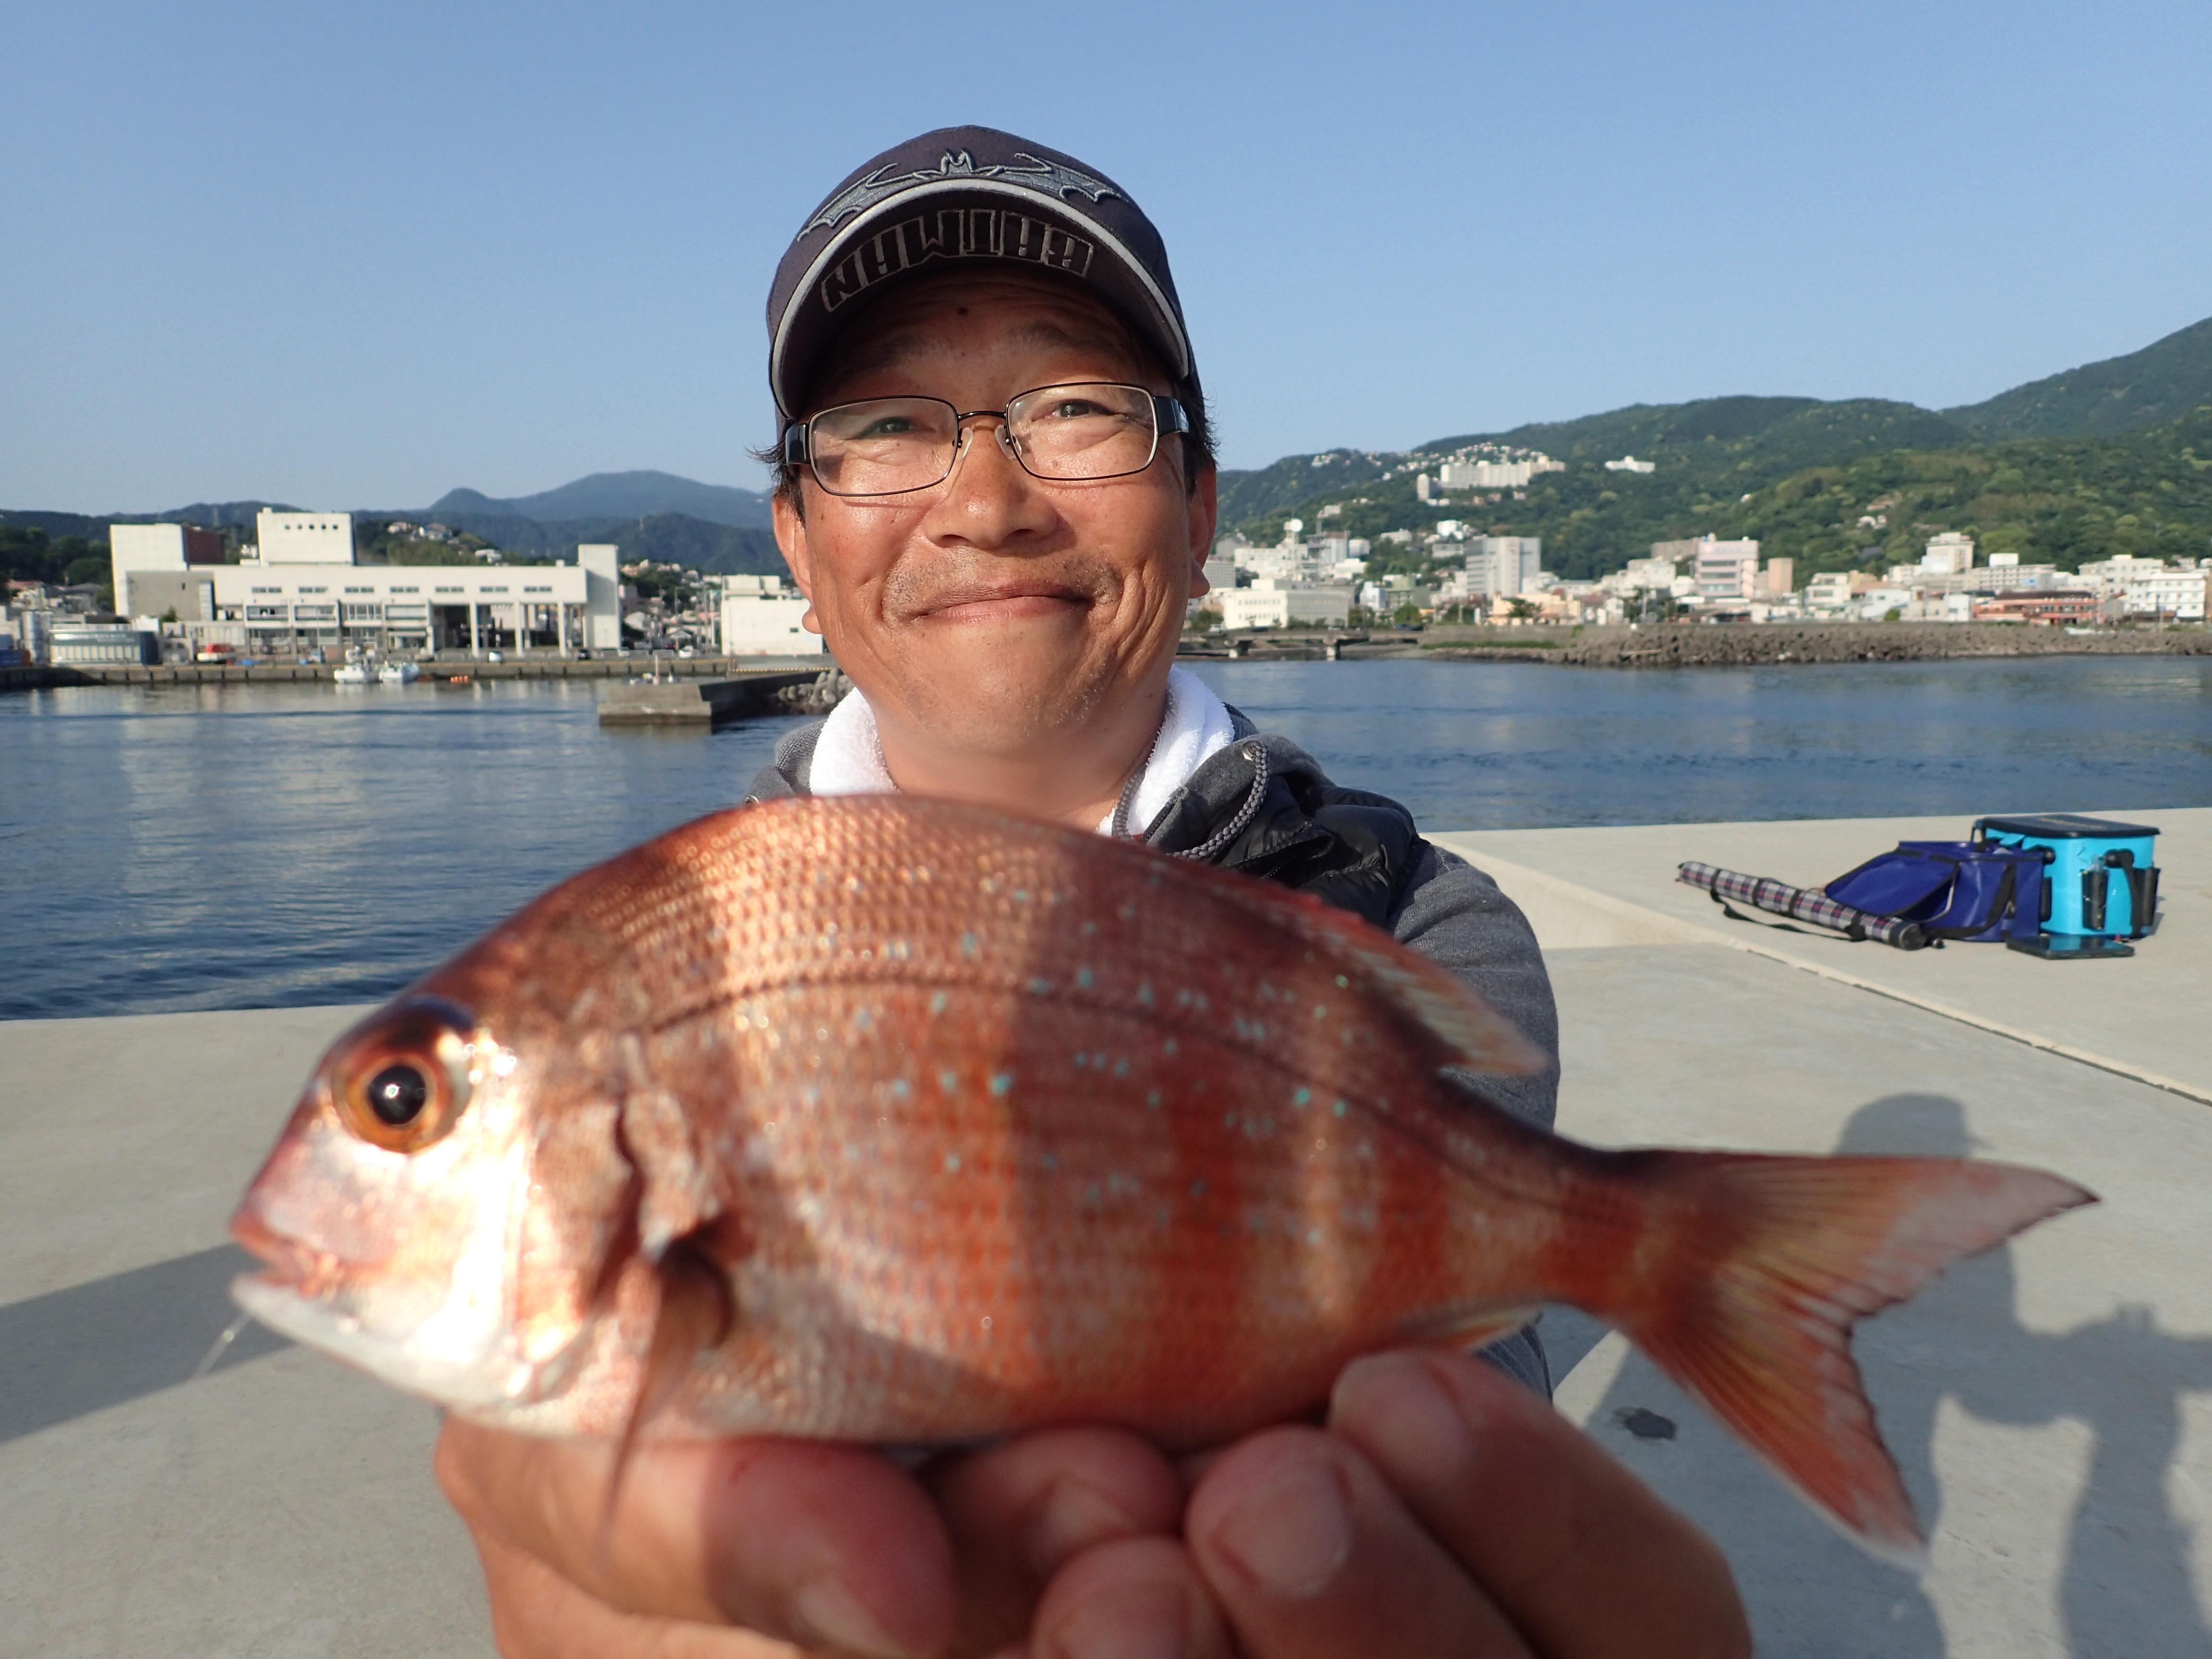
{"x": 1800, "y": 476}
{"x": 2161, "y": 383}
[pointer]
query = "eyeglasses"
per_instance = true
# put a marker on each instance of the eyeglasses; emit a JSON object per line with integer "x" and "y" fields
{"x": 1063, "y": 434}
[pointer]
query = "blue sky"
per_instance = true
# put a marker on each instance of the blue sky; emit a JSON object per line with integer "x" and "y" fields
{"x": 353, "y": 255}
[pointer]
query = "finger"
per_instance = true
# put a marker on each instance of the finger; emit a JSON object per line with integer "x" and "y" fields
{"x": 1017, "y": 1511}
{"x": 1136, "y": 1598}
{"x": 538, "y": 1615}
{"x": 809, "y": 1542}
{"x": 1580, "y": 1554}
{"x": 1312, "y": 1555}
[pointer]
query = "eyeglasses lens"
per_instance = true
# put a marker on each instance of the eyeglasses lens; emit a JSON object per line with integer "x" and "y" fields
{"x": 886, "y": 446}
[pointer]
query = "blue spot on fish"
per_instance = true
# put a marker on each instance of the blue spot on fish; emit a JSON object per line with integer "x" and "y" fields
{"x": 937, "y": 1003}
{"x": 969, "y": 947}
{"x": 952, "y": 1163}
{"x": 1083, "y": 979}
{"x": 1303, "y": 1097}
{"x": 1001, "y": 1081}
{"x": 948, "y": 1081}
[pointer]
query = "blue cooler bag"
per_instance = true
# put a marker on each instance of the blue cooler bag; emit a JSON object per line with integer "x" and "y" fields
{"x": 1974, "y": 891}
{"x": 2100, "y": 885}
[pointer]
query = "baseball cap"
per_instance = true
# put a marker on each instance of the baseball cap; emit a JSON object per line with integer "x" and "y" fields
{"x": 967, "y": 193}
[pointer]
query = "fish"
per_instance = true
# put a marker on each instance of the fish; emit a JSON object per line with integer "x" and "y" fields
{"x": 912, "y": 1122}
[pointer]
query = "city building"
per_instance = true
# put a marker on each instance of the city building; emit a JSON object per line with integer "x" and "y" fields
{"x": 304, "y": 537}
{"x": 1271, "y": 602}
{"x": 1489, "y": 468}
{"x": 1779, "y": 579}
{"x": 167, "y": 550}
{"x": 2173, "y": 595}
{"x": 601, "y": 563}
{"x": 762, "y": 618}
{"x": 107, "y": 645}
{"x": 295, "y": 603}
{"x": 1949, "y": 554}
{"x": 1495, "y": 567}
{"x": 1630, "y": 464}
{"x": 1837, "y": 590}
{"x": 1722, "y": 570}
{"x": 2065, "y": 606}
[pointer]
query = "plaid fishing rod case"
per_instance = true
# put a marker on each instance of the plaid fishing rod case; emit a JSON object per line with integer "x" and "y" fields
{"x": 1921, "y": 893}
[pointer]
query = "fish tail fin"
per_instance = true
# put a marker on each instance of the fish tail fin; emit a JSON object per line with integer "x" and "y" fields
{"x": 1771, "y": 1261}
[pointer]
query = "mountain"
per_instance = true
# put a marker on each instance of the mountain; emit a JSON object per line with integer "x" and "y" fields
{"x": 614, "y": 496}
{"x": 1717, "y": 437}
{"x": 2162, "y": 382}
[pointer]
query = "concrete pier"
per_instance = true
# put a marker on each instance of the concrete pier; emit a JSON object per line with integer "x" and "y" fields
{"x": 2051, "y": 1403}
{"x": 697, "y": 703}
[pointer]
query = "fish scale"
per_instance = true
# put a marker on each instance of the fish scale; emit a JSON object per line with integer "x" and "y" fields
{"x": 898, "y": 1120}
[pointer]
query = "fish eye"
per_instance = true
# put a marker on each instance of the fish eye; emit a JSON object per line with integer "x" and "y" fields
{"x": 398, "y": 1094}
{"x": 400, "y": 1079}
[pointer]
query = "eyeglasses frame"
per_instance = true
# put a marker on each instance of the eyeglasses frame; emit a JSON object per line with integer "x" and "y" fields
{"x": 1168, "y": 416}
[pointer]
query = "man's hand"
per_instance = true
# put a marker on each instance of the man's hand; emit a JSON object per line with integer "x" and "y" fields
{"x": 1444, "y": 1511}
{"x": 789, "y": 1541}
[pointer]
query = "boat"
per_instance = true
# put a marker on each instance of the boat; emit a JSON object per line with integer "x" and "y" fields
{"x": 399, "y": 673}
{"x": 351, "y": 673}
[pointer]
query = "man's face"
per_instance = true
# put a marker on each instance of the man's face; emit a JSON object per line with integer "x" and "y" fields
{"x": 996, "y": 612}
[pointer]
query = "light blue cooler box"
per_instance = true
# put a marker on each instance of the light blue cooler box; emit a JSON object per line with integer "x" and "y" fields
{"x": 2100, "y": 885}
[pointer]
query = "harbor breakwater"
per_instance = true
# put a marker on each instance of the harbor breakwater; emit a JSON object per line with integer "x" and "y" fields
{"x": 1691, "y": 644}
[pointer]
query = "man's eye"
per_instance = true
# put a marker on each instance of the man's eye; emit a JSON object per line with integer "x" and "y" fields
{"x": 890, "y": 426}
{"x": 1072, "y": 408}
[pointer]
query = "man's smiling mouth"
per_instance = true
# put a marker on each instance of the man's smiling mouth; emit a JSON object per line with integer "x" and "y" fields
{"x": 1002, "y": 601}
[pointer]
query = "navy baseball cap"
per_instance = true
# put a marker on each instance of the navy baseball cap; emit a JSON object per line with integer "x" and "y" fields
{"x": 967, "y": 193}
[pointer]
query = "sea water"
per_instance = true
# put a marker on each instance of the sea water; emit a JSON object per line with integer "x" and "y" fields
{"x": 203, "y": 847}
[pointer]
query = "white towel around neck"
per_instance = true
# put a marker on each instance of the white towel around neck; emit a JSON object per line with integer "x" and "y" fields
{"x": 849, "y": 757}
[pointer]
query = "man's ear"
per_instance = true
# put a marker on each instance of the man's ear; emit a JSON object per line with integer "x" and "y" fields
{"x": 791, "y": 540}
{"x": 1204, "y": 508}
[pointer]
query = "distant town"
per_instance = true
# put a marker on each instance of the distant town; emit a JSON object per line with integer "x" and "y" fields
{"x": 1322, "y": 580}
{"x": 302, "y": 590}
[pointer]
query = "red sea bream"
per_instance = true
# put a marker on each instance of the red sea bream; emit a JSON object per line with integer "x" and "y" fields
{"x": 887, "y": 1121}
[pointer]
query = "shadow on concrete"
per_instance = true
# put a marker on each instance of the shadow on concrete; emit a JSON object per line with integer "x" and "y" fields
{"x": 72, "y": 1352}
{"x": 2124, "y": 1586}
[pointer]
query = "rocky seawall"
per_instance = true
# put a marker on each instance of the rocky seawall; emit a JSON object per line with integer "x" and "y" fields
{"x": 1688, "y": 645}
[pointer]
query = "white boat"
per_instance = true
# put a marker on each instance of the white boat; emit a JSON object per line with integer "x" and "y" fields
{"x": 351, "y": 673}
{"x": 399, "y": 674}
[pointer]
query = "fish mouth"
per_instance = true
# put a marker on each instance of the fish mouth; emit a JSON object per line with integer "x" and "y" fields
{"x": 287, "y": 1265}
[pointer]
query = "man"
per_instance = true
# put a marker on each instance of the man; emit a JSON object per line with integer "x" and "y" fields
{"x": 998, "y": 495}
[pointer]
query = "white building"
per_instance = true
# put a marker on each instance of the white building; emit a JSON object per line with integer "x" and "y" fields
{"x": 166, "y": 549}
{"x": 1503, "y": 470}
{"x": 601, "y": 563}
{"x": 304, "y": 537}
{"x": 1649, "y": 576}
{"x": 2114, "y": 574}
{"x": 1727, "y": 570}
{"x": 1502, "y": 566}
{"x": 2176, "y": 595}
{"x": 761, "y": 617}
{"x": 1271, "y": 602}
{"x": 294, "y": 604}
{"x": 1949, "y": 555}
{"x": 1630, "y": 464}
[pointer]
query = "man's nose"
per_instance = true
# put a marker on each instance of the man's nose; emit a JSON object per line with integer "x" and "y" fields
{"x": 989, "y": 497}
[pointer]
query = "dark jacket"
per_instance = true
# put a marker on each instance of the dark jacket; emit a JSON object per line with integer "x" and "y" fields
{"x": 1264, "y": 806}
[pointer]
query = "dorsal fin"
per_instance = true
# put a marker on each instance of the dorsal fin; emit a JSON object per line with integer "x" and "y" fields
{"x": 1479, "y": 1037}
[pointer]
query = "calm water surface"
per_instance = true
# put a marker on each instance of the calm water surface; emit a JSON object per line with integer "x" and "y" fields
{"x": 188, "y": 847}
